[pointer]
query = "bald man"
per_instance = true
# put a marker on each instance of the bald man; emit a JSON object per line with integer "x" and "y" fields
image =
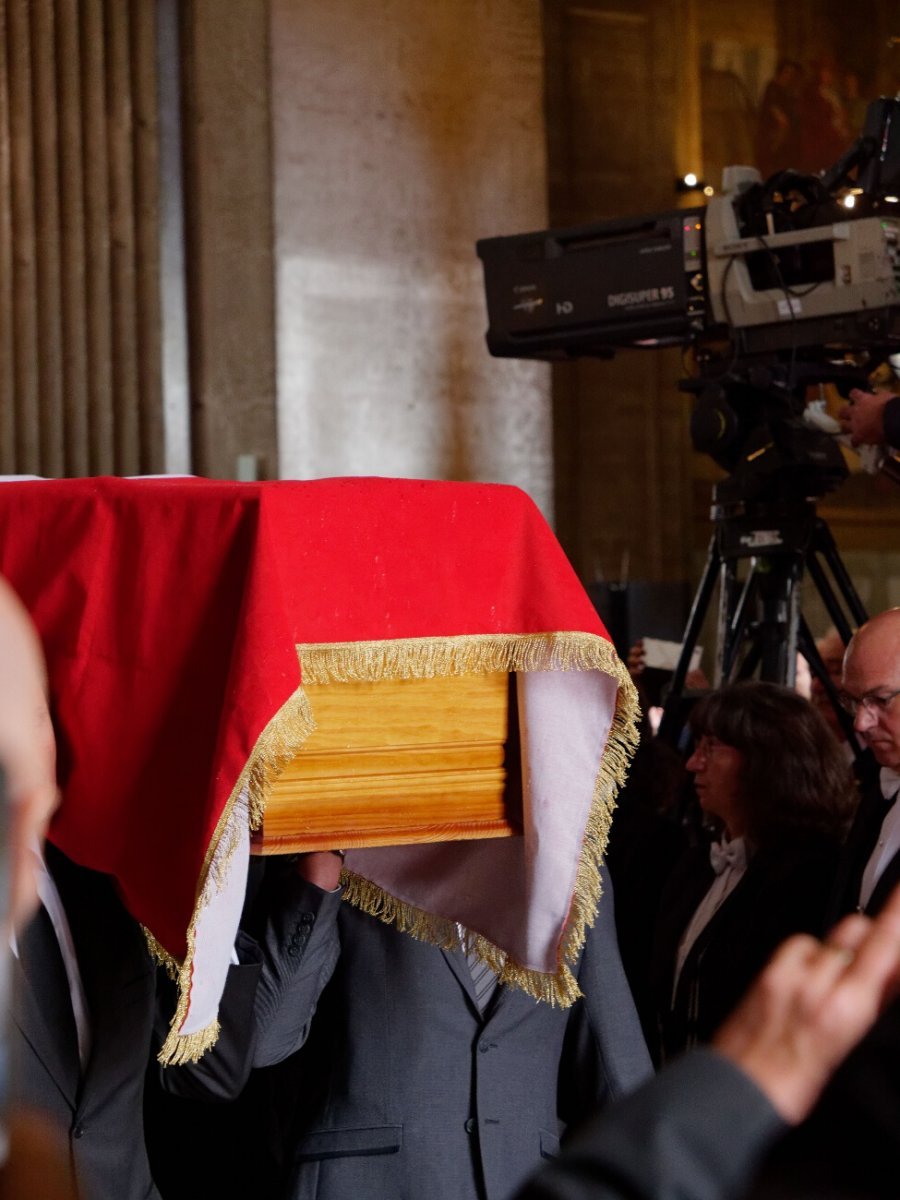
{"x": 847, "y": 1148}
{"x": 871, "y": 690}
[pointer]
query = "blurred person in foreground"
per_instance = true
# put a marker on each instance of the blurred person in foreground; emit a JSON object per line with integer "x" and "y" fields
{"x": 27, "y": 749}
{"x": 83, "y": 987}
{"x": 698, "y": 1130}
{"x": 37, "y": 1164}
{"x": 82, "y": 982}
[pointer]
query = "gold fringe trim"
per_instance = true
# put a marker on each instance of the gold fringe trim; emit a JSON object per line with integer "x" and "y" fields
{"x": 160, "y": 955}
{"x": 472, "y": 654}
{"x": 428, "y": 657}
{"x": 560, "y": 989}
{"x": 275, "y": 747}
{"x": 188, "y": 1047}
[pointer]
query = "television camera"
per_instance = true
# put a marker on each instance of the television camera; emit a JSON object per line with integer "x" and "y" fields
{"x": 772, "y": 286}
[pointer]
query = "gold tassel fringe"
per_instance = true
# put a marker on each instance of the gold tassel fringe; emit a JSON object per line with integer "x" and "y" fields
{"x": 276, "y": 746}
{"x": 474, "y": 654}
{"x": 182, "y": 1048}
{"x": 278, "y": 743}
{"x": 161, "y": 956}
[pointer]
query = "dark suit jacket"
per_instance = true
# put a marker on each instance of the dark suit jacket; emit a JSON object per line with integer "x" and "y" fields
{"x": 783, "y": 891}
{"x": 855, "y": 855}
{"x": 401, "y": 1088}
{"x": 101, "y": 1111}
{"x": 695, "y": 1131}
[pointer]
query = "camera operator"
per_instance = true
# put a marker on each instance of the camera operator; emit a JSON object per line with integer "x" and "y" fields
{"x": 872, "y": 418}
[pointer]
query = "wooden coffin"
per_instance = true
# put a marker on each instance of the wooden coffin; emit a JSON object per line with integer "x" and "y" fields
{"x": 398, "y": 761}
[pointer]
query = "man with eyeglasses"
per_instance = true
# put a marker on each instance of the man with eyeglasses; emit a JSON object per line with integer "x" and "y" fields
{"x": 848, "y": 1146}
{"x": 870, "y": 689}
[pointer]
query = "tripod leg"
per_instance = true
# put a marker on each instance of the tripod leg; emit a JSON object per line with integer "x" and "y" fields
{"x": 670, "y": 725}
{"x": 823, "y": 543}
{"x": 811, "y": 654}
{"x": 733, "y": 618}
{"x": 780, "y": 615}
{"x": 762, "y": 625}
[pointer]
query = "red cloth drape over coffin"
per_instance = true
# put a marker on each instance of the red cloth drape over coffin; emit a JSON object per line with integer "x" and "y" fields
{"x": 177, "y": 615}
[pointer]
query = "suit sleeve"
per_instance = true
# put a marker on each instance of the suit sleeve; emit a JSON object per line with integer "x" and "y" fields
{"x": 698, "y": 1129}
{"x": 270, "y": 997}
{"x": 604, "y": 1042}
{"x": 299, "y": 948}
{"x": 223, "y": 1071}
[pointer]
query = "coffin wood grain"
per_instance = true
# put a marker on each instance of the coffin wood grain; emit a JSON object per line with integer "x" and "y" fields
{"x": 397, "y": 761}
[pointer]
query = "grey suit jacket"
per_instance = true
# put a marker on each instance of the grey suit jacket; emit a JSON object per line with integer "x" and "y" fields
{"x": 401, "y": 1089}
{"x": 101, "y": 1108}
{"x": 695, "y": 1132}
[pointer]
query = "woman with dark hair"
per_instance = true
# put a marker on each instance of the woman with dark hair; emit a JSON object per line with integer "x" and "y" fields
{"x": 775, "y": 789}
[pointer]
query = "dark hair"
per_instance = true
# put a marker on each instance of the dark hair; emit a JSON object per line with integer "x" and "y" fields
{"x": 794, "y": 776}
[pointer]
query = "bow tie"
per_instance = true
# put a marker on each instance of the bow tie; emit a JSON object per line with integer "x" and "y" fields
{"x": 724, "y": 855}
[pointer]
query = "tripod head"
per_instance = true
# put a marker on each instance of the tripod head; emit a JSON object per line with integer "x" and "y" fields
{"x": 753, "y": 422}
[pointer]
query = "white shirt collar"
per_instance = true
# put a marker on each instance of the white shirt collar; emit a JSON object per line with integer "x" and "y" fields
{"x": 52, "y": 902}
{"x": 890, "y": 782}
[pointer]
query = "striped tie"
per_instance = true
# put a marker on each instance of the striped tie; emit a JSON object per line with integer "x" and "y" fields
{"x": 484, "y": 978}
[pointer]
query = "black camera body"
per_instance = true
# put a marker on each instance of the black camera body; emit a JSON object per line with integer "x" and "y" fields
{"x": 774, "y": 285}
{"x": 597, "y": 288}
{"x": 774, "y": 267}
{"x": 696, "y": 276}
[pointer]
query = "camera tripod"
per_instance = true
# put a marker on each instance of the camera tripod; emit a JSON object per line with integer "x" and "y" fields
{"x": 760, "y": 625}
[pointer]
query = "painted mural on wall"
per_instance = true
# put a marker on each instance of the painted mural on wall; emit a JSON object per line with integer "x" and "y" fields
{"x": 776, "y": 114}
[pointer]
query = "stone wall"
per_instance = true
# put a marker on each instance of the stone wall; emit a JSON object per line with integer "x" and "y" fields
{"x": 403, "y": 132}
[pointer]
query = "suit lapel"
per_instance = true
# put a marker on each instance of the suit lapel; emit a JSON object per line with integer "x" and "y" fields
{"x": 115, "y": 968}
{"x": 678, "y": 907}
{"x": 742, "y": 894}
{"x": 888, "y": 879}
{"x": 856, "y": 853}
{"x": 55, "y": 1047}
